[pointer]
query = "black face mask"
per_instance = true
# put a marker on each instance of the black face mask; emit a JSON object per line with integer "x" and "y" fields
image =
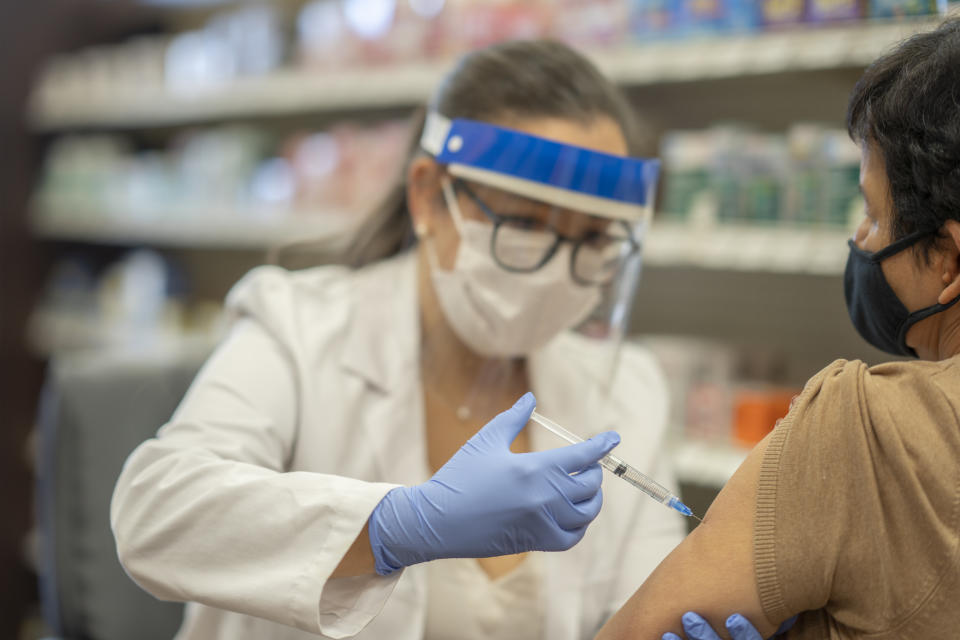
{"x": 875, "y": 310}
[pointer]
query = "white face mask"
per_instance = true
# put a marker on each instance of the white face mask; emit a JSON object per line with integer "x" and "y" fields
{"x": 499, "y": 313}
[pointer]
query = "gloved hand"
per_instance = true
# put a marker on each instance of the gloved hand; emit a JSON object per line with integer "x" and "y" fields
{"x": 486, "y": 501}
{"x": 739, "y": 628}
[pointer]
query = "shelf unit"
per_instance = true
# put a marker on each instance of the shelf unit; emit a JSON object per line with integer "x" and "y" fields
{"x": 198, "y": 228}
{"x": 295, "y": 91}
{"x": 768, "y": 249}
{"x": 728, "y": 247}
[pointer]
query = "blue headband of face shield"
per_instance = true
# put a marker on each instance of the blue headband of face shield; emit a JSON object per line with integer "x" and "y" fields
{"x": 564, "y": 175}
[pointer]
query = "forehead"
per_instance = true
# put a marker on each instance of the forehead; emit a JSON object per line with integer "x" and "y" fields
{"x": 600, "y": 134}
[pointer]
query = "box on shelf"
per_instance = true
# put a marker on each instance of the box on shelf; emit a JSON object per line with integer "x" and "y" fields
{"x": 589, "y": 24}
{"x": 757, "y": 411}
{"x": 835, "y": 10}
{"x": 224, "y": 175}
{"x": 807, "y": 176}
{"x": 904, "y": 8}
{"x": 711, "y": 17}
{"x": 721, "y": 393}
{"x": 781, "y": 13}
{"x": 653, "y": 19}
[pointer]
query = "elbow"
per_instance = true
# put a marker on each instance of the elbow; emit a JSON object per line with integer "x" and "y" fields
{"x": 137, "y": 555}
{"x": 128, "y": 543}
{"x": 135, "y": 544}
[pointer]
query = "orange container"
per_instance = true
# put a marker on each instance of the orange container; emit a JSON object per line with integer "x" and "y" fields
{"x": 756, "y": 412}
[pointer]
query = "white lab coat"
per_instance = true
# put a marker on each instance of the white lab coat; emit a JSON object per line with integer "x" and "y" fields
{"x": 296, "y": 427}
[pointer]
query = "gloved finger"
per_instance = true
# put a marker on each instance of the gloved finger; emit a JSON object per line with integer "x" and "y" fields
{"x": 570, "y": 538}
{"x": 504, "y": 428}
{"x": 783, "y": 628}
{"x": 741, "y": 629}
{"x": 574, "y": 516}
{"x": 697, "y": 628}
{"x": 671, "y": 636}
{"x": 577, "y": 457}
{"x": 584, "y": 485}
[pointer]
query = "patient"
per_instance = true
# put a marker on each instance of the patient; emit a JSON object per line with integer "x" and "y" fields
{"x": 847, "y": 513}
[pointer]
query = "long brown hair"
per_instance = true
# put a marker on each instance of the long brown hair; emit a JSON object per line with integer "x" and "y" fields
{"x": 519, "y": 79}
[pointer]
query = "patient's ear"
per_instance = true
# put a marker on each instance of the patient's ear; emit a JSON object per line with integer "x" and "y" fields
{"x": 951, "y": 262}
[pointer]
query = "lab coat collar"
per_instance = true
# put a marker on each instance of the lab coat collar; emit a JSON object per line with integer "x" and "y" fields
{"x": 383, "y": 335}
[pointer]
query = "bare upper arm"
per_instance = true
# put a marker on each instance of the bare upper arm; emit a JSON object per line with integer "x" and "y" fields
{"x": 710, "y": 572}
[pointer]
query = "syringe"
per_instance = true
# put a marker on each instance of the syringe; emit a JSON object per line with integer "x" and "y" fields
{"x": 620, "y": 468}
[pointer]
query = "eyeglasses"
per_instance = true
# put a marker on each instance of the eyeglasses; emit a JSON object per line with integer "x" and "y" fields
{"x": 596, "y": 257}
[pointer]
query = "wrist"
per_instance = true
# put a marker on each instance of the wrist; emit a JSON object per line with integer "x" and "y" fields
{"x": 386, "y": 529}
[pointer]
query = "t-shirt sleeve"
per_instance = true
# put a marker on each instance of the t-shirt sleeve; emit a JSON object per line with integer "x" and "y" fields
{"x": 807, "y": 521}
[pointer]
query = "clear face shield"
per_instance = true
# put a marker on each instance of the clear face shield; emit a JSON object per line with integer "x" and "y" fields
{"x": 549, "y": 254}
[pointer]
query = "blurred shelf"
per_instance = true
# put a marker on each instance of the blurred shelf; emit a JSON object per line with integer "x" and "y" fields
{"x": 52, "y": 333}
{"x": 774, "y": 249}
{"x": 285, "y": 92}
{"x": 705, "y": 463}
{"x": 721, "y": 247}
{"x": 296, "y": 91}
{"x": 206, "y": 228}
{"x": 806, "y": 48}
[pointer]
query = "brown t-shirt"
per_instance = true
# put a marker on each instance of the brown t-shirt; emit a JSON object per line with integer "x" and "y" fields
{"x": 858, "y": 501}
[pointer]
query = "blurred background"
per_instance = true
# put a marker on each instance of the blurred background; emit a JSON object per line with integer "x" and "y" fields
{"x": 153, "y": 152}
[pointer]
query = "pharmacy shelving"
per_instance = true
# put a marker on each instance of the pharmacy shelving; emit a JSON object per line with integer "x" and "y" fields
{"x": 742, "y": 247}
{"x": 58, "y": 106}
{"x": 774, "y": 249}
{"x": 201, "y": 228}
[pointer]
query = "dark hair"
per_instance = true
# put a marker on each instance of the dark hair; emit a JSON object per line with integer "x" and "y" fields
{"x": 907, "y": 104}
{"x": 538, "y": 78}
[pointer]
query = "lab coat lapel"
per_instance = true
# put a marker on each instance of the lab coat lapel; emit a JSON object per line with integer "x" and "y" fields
{"x": 382, "y": 347}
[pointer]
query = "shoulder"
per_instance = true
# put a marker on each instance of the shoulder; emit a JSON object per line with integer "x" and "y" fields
{"x": 890, "y": 397}
{"x": 899, "y": 378}
{"x": 914, "y": 390}
{"x": 319, "y": 300}
{"x": 279, "y": 301}
{"x": 855, "y": 487}
{"x": 835, "y": 394}
{"x": 867, "y": 427}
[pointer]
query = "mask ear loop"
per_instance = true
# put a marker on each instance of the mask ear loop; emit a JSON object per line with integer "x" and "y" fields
{"x": 899, "y": 245}
{"x": 450, "y": 198}
{"x": 423, "y": 232}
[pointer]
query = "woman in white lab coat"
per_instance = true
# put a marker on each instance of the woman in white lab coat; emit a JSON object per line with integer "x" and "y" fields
{"x": 315, "y": 478}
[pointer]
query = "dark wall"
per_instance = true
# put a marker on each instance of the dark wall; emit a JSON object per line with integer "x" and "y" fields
{"x": 29, "y": 33}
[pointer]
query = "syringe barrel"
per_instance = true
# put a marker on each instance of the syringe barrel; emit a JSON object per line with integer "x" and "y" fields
{"x": 620, "y": 468}
{"x": 615, "y": 465}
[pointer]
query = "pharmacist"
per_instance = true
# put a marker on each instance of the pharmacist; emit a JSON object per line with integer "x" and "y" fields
{"x": 342, "y": 465}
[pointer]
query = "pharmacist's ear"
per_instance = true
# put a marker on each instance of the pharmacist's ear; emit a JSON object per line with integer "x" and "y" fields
{"x": 424, "y": 193}
{"x": 950, "y": 261}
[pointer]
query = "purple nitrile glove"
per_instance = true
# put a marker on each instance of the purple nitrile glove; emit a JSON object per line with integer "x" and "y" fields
{"x": 696, "y": 628}
{"x": 487, "y": 501}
